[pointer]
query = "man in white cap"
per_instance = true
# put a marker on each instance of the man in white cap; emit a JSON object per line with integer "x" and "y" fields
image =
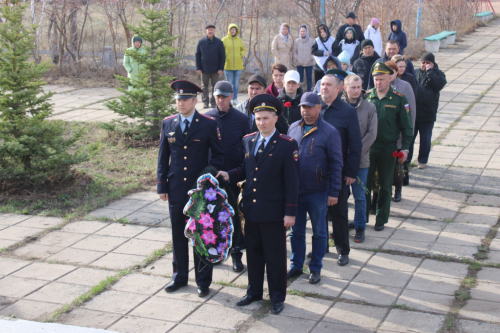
{"x": 290, "y": 96}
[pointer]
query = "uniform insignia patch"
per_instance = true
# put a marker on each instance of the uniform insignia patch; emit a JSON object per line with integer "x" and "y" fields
{"x": 390, "y": 106}
{"x": 197, "y": 120}
{"x": 172, "y": 139}
{"x": 263, "y": 104}
{"x": 208, "y": 117}
{"x": 286, "y": 137}
{"x": 250, "y": 134}
{"x": 181, "y": 91}
{"x": 407, "y": 107}
{"x": 171, "y": 133}
{"x": 247, "y": 155}
{"x": 398, "y": 93}
{"x": 296, "y": 155}
{"x": 218, "y": 133}
{"x": 170, "y": 117}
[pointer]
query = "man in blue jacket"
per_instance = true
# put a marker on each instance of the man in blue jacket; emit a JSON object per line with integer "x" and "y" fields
{"x": 321, "y": 162}
{"x": 233, "y": 126}
{"x": 210, "y": 60}
{"x": 344, "y": 118}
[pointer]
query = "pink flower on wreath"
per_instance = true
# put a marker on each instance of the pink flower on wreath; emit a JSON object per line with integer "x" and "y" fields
{"x": 206, "y": 220}
{"x": 192, "y": 226}
{"x": 209, "y": 237}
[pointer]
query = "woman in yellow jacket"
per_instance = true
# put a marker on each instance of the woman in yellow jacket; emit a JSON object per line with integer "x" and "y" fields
{"x": 235, "y": 51}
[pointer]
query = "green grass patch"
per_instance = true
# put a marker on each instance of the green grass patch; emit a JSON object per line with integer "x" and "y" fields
{"x": 113, "y": 170}
{"x": 157, "y": 254}
{"x": 462, "y": 294}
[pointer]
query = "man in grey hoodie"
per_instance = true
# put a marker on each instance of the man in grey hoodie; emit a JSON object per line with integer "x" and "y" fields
{"x": 367, "y": 117}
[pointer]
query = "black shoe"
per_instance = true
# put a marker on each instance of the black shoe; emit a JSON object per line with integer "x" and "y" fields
{"x": 310, "y": 255}
{"x": 237, "y": 265}
{"x": 379, "y": 227}
{"x": 343, "y": 259}
{"x": 360, "y": 236}
{"x": 373, "y": 207}
{"x": 203, "y": 291}
{"x": 247, "y": 300}
{"x": 351, "y": 225}
{"x": 397, "y": 194}
{"x": 292, "y": 272}
{"x": 174, "y": 286}
{"x": 314, "y": 277}
{"x": 327, "y": 248}
{"x": 277, "y": 308}
{"x": 406, "y": 179}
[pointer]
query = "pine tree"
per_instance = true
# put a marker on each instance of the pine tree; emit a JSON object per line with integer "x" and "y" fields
{"x": 31, "y": 147}
{"x": 151, "y": 98}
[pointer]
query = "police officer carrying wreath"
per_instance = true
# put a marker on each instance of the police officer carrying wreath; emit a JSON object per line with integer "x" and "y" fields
{"x": 393, "y": 113}
{"x": 185, "y": 141}
{"x": 270, "y": 196}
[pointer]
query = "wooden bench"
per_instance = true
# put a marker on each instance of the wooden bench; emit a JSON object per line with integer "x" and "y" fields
{"x": 484, "y": 16}
{"x": 441, "y": 40}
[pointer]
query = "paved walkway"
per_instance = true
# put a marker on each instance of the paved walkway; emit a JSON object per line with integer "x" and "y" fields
{"x": 435, "y": 267}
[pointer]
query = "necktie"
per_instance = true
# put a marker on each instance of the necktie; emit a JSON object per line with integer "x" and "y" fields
{"x": 186, "y": 126}
{"x": 260, "y": 150}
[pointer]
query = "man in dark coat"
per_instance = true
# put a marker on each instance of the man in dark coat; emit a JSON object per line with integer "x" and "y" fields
{"x": 430, "y": 81}
{"x": 391, "y": 49}
{"x": 363, "y": 66}
{"x": 185, "y": 142}
{"x": 344, "y": 118}
{"x": 351, "y": 22}
{"x": 210, "y": 60}
{"x": 270, "y": 198}
{"x": 233, "y": 126}
{"x": 257, "y": 86}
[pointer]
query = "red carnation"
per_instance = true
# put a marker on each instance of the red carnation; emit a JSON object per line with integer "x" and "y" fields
{"x": 401, "y": 155}
{"x": 288, "y": 104}
{"x": 395, "y": 154}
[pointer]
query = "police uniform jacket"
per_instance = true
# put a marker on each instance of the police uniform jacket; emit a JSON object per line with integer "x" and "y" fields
{"x": 233, "y": 126}
{"x": 281, "y": 124}
{"x": 393, "y": 114}
{"x": 180, "y": 160}
{"x": 272, "y": 184}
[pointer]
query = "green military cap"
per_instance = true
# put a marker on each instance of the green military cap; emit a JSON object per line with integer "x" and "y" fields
{"x": 381, "y": 68}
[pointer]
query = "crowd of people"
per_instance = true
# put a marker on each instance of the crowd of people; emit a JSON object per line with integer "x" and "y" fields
{"x": 301, "y": 150}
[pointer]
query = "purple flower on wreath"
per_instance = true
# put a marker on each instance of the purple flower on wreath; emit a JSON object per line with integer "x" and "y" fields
{"x": 192, "y": 226}
{"x": 220, "y": 248}
{"x": 209, "y": 237}
{"x": 223, "y": 216}
{"x": 210, "y": 194}
{"x": 223, "y": 233}
{"x": 206, "y": 220}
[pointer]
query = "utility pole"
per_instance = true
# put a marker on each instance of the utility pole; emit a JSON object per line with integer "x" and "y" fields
{"x": 323, "y": 11}
{"x": 419, "y": 18}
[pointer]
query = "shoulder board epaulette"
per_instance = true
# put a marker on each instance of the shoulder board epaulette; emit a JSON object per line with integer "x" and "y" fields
{"x": 209, "y": 117}
{"x": 286, "y": 137}
{"x": 369, "y": 91}
{"x": 398, "y": 93}
{"x": 170, "y": 117}
{"x": 250, "y": 134}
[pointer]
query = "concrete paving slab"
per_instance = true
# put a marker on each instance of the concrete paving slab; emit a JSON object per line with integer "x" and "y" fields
{"x": 89, "y": 318}
{"x": 11, "y": 286}
{"x": 40, "y": 222}
{"x": 469, "y": 326}
{"x": 458, "y": 239}
{"x": 35, "y": 251}
{"x": 141, "y": 284}
{"x": 422, "y": 225}
{"x": 357, "y": 258}
{"x": 57, "y": 292}
{"x": 118, "y": 261}
{"x": 486, "y": 292}
{"x": 327, "y": 287}
{"x": 30, "y": 310}
{"x": 493, "y": 257}
{"x": 481, "y": 310}
{"x": 84, "y": 227}
{"x": 13, "y": 325}
{"x": 405, "y": 246}
{"x": 157, "y": 234}
{"x": 190, "y": 293}
{"x": 76, "y": 256}
{"x": 383, "y": 277}
{"x": 408, "y": 321}
{"x": 228, "y": 296}
{"x": 100, "y": 243}
{"x": 305, "y": 307}
{"x": 357, "y": 315}
{"x": 121, "y": 230}
{"x": 115, "y": 301}
{"x": 480, "y": 230}
{"x": 10, "y": 265}
{"x": 113, "y": 214}
{"x": 394, "y": 262}
{"x": 234, "y": 317}
{"x": 434, "y": 284}
{"x": 18, "y": 233}
{"x": 165, "y": 309}
{"x": 133, "y": 324}
{"x": 373, "y": 294}
{"x": 274, "y": 324}
{"x": 86, "y": 276}
{"x": 476, "y": 219}
{"x": 44, "y": 271}
{"x": 60, "y": 239}
{"x": 453, "y": 251}
{"x": 139, "y": 247}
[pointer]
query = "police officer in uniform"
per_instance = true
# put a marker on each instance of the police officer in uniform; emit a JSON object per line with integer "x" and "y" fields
{"x": 270, "y": 197}
{"x": 185, "y": 141}
{"x": 393, "y": 118}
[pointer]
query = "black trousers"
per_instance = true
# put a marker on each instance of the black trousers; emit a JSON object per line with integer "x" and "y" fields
{"x": 266, "y": 251}
{"x": 318, "y": 75}
{"x": 240, "y": 245}
{"x": 340, "y": 222}
{"x": 180, "y": 263}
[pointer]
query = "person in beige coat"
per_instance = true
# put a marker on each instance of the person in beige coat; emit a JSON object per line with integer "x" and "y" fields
{"x": 302, "y": 55}
{"x": 282, "y": 47}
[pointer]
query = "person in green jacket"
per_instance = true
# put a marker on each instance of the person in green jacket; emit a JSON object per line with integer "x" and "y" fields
{"x": 393, "y": 113}
{"x": 235, "y": 51}
{"x": 132, "y": 66}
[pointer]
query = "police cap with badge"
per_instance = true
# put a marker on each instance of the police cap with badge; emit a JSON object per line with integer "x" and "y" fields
{"x": 379, "y": 68}
{"x": 265, "y": 102}
{"x": 340, "y": 74}
{"x": 185, "y": 89}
